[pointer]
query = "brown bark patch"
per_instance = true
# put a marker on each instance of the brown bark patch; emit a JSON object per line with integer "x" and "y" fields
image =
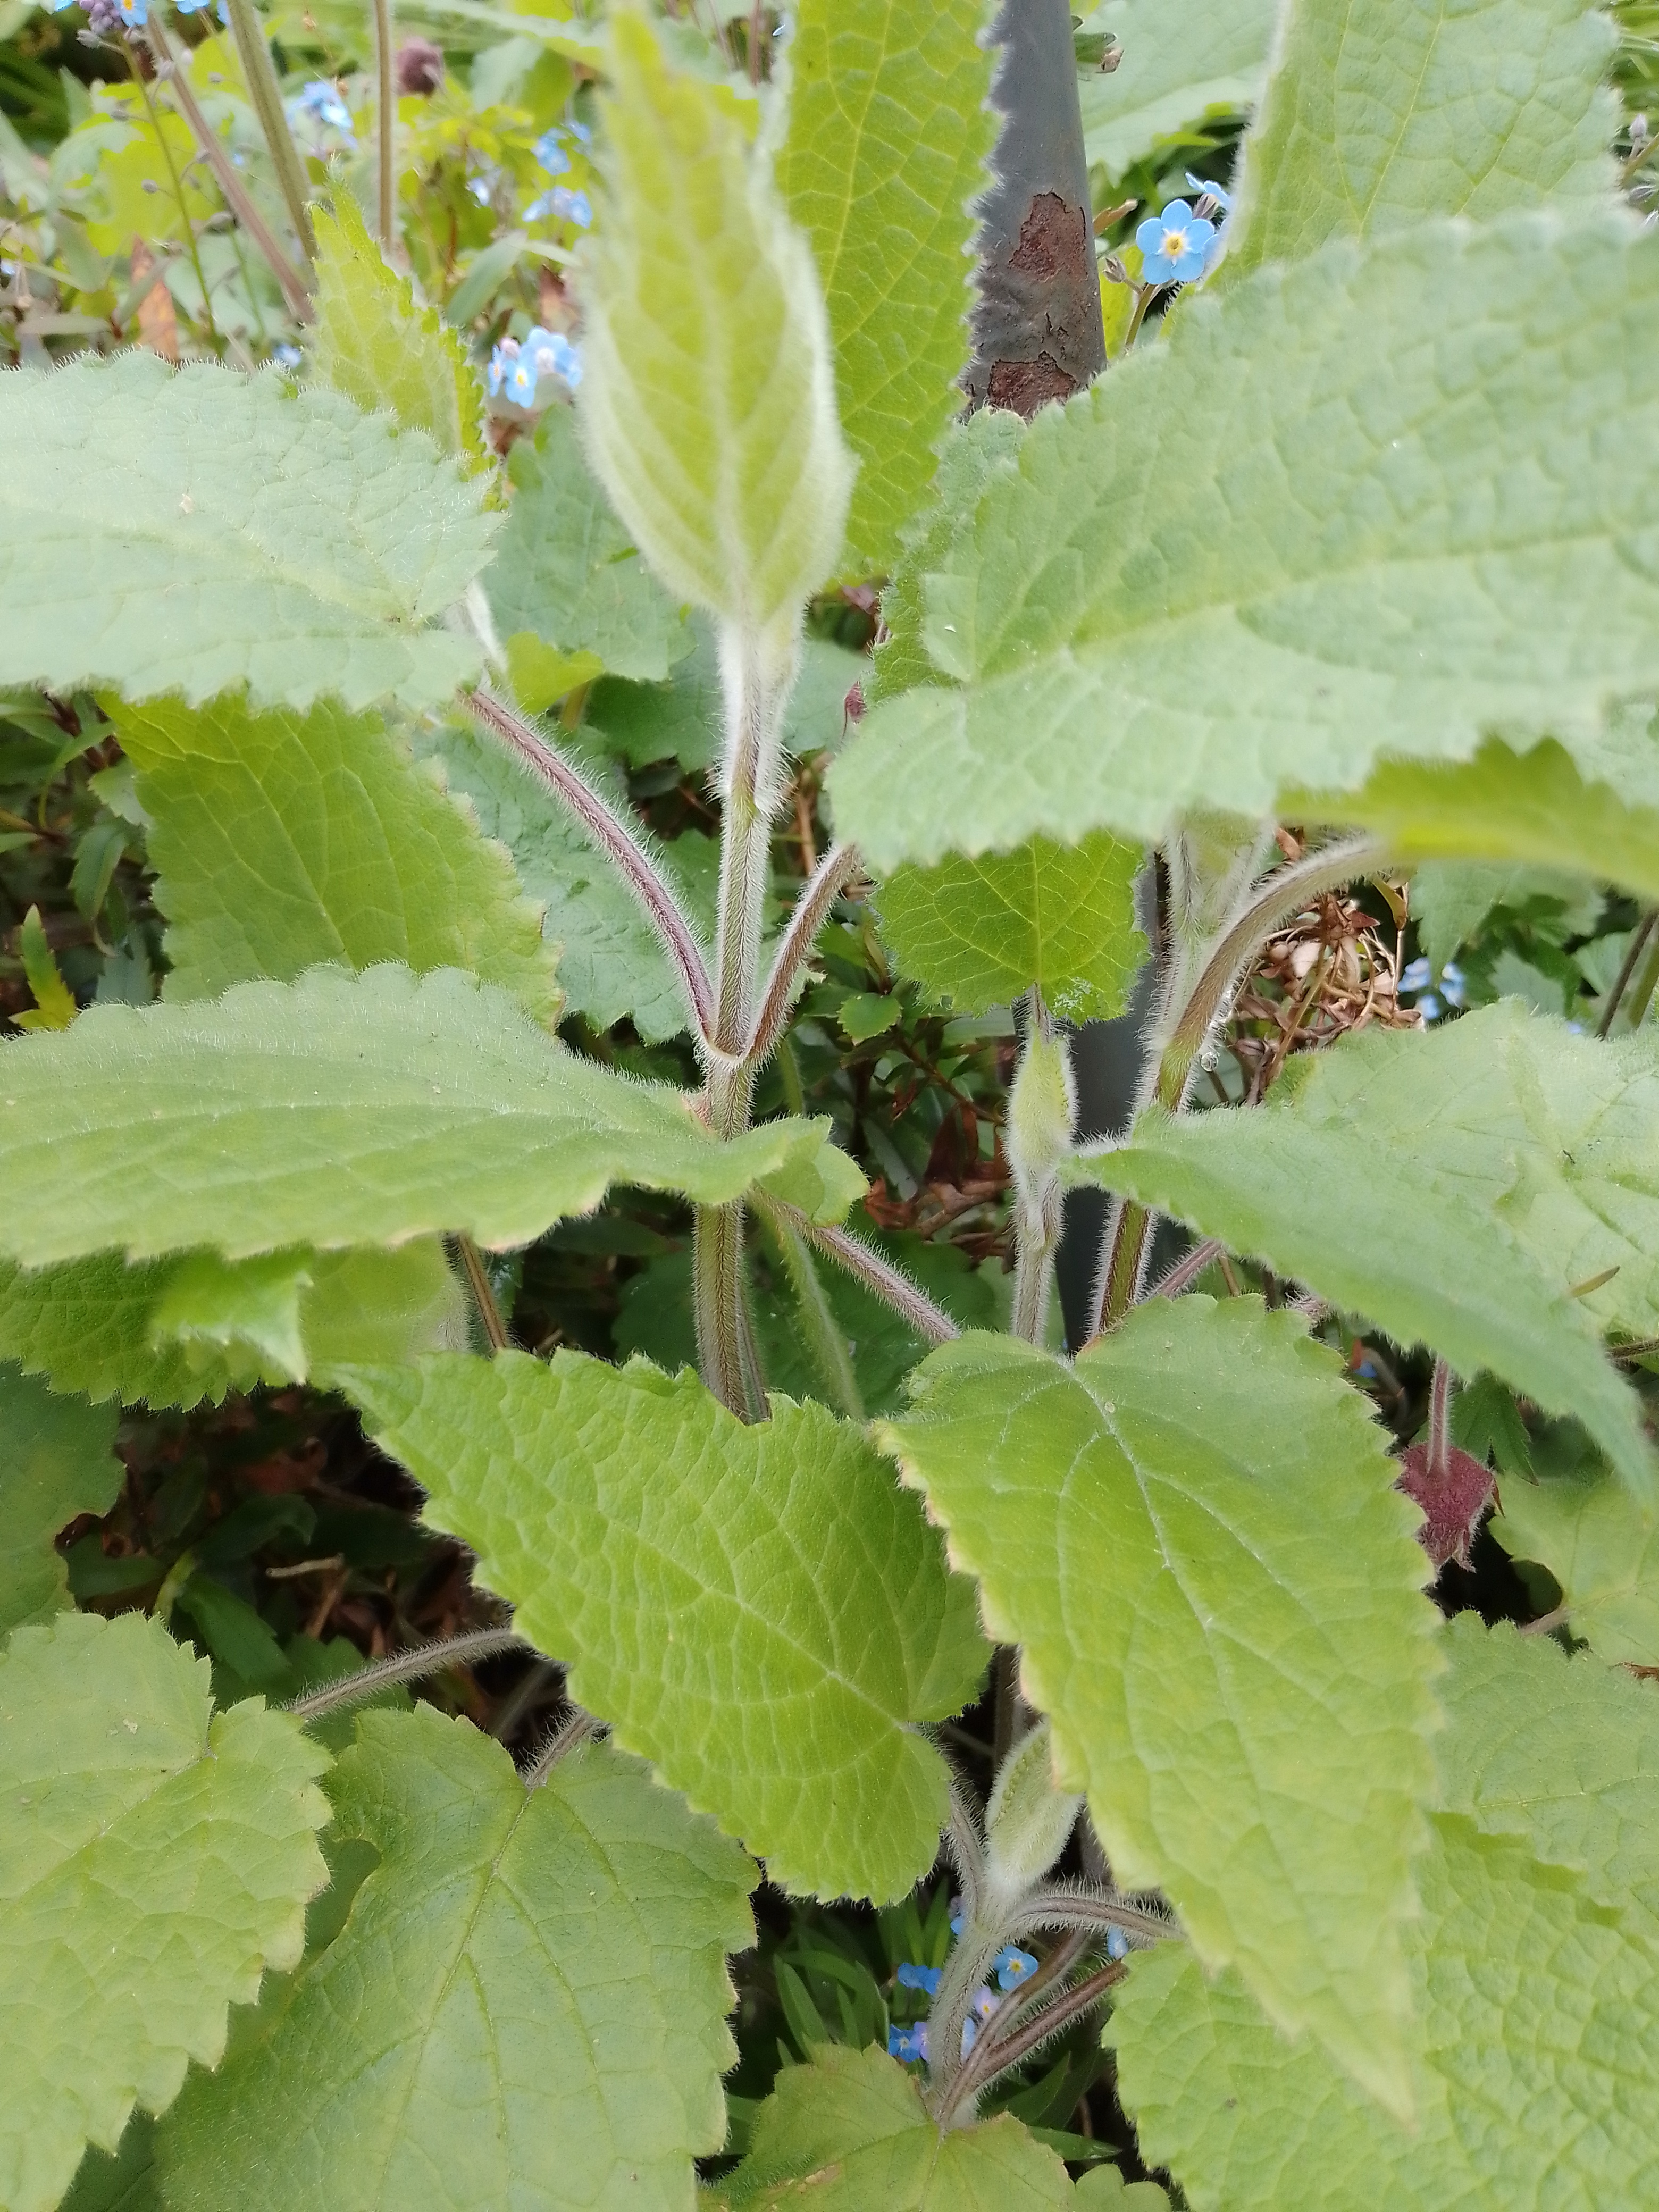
{"x": 1053, "y": 241}
{"x": 1023, "y": 386}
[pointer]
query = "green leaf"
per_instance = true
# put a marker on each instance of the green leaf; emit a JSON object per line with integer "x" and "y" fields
{"x": 1380, "y": 113}
{"x": 1538, "y": 2077}
{"x": 1562, "y": 1752}
{"x": 566, "y": 571}
{"x": 1456, "y": 1188}
{"x": 57, "y": 1462}
{"x": 707, "y": 396}
{"x": 1401, "y": 394}
{"x": 112, "y": 1330}
{"x": 1536, "y": 807}
{"x": 1602, "y": 1546}
{"x": 1541, "y": 2032}
{"x": 54, "y": 1006}
{"x": 382, "y": 347}
{"x": 338, "y": 1110}
{"x": 1181, "y": 59}
{"x": 234, "y": 531}
{"x": 976, "y": 933}
{"x": 611, "y": 961}
{"x": 973, "y": 456}
{"x": 527, "y": 2006}
{"x": 285, "y": 839}
{"x": 758, "y": 1610}
{"x": 157, "y": 1859}
{"x": 1193, "y": 1535}
{"x": 890, "y": 132}
{"x": 848, "y": 2132}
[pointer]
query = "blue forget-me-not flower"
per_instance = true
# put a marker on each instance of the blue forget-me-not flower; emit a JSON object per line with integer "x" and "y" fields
{"x": 1117, "y": 1944}
{"x": 1011, "y": 1966}
{"x": 550, "y": 152}
{"x": 920, "y": 1978}
{"x": 1418, "y": 977}
{"x": 1175, "y": 245}
{"x": 1223, "y": 200}
{"x": 907, "y": 2045}
{"x": 516, "y": 366}
{"x": 320, "y": 102}
{"x": 563, "y": 205}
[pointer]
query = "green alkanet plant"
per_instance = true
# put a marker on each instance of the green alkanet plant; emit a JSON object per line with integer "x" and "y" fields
{"x": 1356, "y": 534}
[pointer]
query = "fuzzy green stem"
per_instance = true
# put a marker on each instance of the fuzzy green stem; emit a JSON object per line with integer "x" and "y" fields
{"x": 236, "y": 194}
{"x": 756, "y": 684}
{"x": 822, "y": 1331}
{"x": 1283, "y": 893}
{"x": 405, "y": 1666}
{"x": 160, "y": 50}
{"x": 267, "y": 95}
{"x": 386, "y": 120}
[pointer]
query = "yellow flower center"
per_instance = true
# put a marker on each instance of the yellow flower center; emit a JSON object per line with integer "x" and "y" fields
{"x": 1174, "y": 244}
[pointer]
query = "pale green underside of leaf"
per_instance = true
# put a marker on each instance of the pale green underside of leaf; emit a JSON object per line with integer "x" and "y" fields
{"x": 1249, "y": 1712}
{"x": 383, "y": 348}
{"x": 1539, "y": 2004}
{"x": 759, "y": 1610}
{"x": 155, "y": 1859}
{"x": 611, "y": 961}
{"x": 339, "y": 1110}
{"x": 708, "y": 396}
{"x": 56, "y": 1462}
{"x": 283, "y": 841}
{"x": 1382, "y": 113}
{"x": 1383, "y": 501}
{"x": 194, "y": 530}
{"x": 566, "y": 570}
{"x": 104, "y": 1328}
{"x": 527, "y": 2006}
{"x": 1602, "y": 1547}
{"x": 1180, "y": 58}
{"x": 1456, "y": 1188}
{"x": 1537, "y": 807}
{"x": 847, "y": 2132}
{"x": 971, "y": 456}
{"x": 1561, "y": 1752}
{"x": 976, "y": 933}
{"x": 888, "y": 139}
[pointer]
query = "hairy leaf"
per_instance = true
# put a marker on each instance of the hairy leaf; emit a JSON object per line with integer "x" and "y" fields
{"x": 1539, "y": 2005}
{"x": 1182, "y": 58}
{"x": 758, "y": 1610}
{"x": 848, "y": 2131}
{"x": 1393, "y": 498}
{"x": 611, "y": 963}
{"x": 708, "y": 400}
{"x": 381, "y": 346}
{"x": 1537, "y": 807}
{"x": 1602, "y": 1546}
{"x": 226, "y": 530}
{"x": 285, "y": 839}
{"x": 527, "y": 2006}
{"x": 975, "y": 934}
{"x": 156, "y": 1857}
{"x": 56, "y": 1462}
{"x": 1379, "y": 114}
{"x": 890, "y": 131}
{"x": 1458, "y": 1188}
{"x": 1562, "y": 1752}
{"x": 973, "y": 456}
{"x": 1248, "y": 1712}
{"x": 338, "y": 1110}
{"x": 566, "y": 571}
{"x": 1540, "y": 2028}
